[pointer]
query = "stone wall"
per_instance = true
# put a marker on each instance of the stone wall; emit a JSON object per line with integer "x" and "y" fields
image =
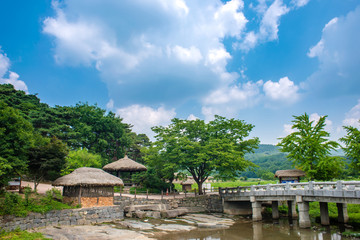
{"x": 81, "y": 216}
{"x": 205, "y": 203}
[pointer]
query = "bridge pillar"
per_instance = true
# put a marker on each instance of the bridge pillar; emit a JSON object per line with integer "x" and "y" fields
{"x": 324, "y": 213}
{"x": 275, "y": 209}
{"x": 256, "y": 211}
{"x": 342, "y": 212}
{"x": 292, "y": 209}
{"x": 304, "y": 218}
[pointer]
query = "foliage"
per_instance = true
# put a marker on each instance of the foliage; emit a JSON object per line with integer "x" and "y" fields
{"x": 14, "y": 204}
{"x": 81, "y": 158}
{"x": 22, "y": 235}
{"x": 309, "y": 149}
{"x": 46, "y": 159}
{"x": 138, "y": 141}
{"x": 150, "y": 180}
{"x": 16, "y": 137}
{"x": 352, "y": 146}
{"x": 217, "y": 147}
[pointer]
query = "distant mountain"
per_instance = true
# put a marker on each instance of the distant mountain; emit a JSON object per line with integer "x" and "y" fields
{"x": 269, "y": 159}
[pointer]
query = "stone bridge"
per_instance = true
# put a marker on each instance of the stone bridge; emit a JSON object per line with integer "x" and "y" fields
{"x": 248, "y": 200}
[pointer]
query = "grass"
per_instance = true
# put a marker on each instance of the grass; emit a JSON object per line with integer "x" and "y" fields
{"x": 23, "y": 235}
{"x": 21, "y": 205}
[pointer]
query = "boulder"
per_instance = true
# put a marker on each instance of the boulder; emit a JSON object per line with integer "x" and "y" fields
{"x": 173, "y": 213}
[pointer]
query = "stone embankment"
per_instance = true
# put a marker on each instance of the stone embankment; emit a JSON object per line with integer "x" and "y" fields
{"x": 81, "y": 216}
{"x": 199, "y": 204}
{"x": 168, "y": 208}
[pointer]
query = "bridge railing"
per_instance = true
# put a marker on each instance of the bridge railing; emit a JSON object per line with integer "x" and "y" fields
{"x": 326, "y": 186}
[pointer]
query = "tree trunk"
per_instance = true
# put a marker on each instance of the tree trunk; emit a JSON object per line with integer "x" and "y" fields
{"x": 200, "y": 188}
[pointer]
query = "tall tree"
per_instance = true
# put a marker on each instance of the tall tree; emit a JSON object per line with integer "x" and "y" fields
{"x": 217, "y": 147}
{"x": 308, "y": 148}
{"x": 352, "y": 145}
{"x": 16, "y": 138}
{"x": 46, "y": 159}
{"x": 81, "y": 158}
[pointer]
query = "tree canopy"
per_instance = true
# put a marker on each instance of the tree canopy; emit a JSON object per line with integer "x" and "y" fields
{"x": 217, "y": 147}
{"x": 352, "y": 146}
{"x": 308, "y": 147}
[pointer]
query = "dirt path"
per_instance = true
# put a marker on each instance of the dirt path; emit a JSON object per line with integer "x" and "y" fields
{"x": 41, "y": 188}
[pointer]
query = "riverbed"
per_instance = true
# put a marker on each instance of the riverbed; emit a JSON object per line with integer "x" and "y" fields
{"x": 195, "y": 227}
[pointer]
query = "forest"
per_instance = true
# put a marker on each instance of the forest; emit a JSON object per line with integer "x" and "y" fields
{"x": 42, "y": 142}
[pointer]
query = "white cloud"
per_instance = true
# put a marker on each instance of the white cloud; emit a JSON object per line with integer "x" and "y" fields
{"x": 187, "y": 55}
{"x": 353, "y": 116}
{"x": 175, "y": 45}
{"x": 192, "y": 117}
{"x": 285, "y": 90}
{"x": 227, "y": 101}
{"x": 269, "y": 26}
{"x": 110, "y": 104}
{"x": 143, "y": 117}
{"x": 329, "y": 124}
{"x": 339, "y": 56}
{"x": 4, "y": 64}
{"x": 13, "y": 77}
{"x": 300, "y": 3}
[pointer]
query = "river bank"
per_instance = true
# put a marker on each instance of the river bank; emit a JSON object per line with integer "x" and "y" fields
{"x": 195, "y": 226}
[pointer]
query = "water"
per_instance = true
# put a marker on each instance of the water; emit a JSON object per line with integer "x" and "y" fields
{"x": 245, "y": 229}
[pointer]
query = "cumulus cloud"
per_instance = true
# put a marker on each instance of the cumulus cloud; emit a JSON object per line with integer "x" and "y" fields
{"x": 285, "y": 90}
{"x": 143, "y": 118}
{"x": 227, "y": 101}
{"x": 269, "y": 24}
{"x": 300, "y": 3}
{"x": 353, "y": 116}
{"x": 339, "y": 56}
{"x": 13, "y": 77}
{"x": 175, "y": 45}
{"x": 315, "y": 118}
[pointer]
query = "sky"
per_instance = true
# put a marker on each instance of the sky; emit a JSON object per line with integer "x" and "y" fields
{"x": 261, "y": 61}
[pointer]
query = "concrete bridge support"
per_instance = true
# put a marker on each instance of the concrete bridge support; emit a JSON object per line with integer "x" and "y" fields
{"x": 256, "y": 211}
{"x": 304, "y": 217}
{"x": 292, "y": 209}
{"x": 342, "y": 212}
{"x": 324, "y": 213}
{"x": 275, "y": 209}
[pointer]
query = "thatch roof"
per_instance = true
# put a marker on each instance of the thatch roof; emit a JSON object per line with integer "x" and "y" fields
{"x": 188, "y": 182}
{"x": 125, "y": 165}
{"x": 86, "y": 176}
{"x": 289, "y": 173}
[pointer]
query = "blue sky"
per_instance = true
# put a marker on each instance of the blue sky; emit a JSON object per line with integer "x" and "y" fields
{"x": 261, "y": 61}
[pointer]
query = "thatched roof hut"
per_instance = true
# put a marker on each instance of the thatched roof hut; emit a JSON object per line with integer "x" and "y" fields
{"x": 186, "y": 185}
{"x": 89, "y": 187}
{"x": 292, "y": 175}
{"x": 125, "y": 165}
{"x": 87, "y": 176}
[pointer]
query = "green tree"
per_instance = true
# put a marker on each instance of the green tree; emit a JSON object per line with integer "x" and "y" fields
{"x": 46, "y": 159}
{"x": 81, "y": 158}
{"x": 138, "y": 141}
{"x": 217, "y": 147}
{"x": 16, "y": 137}
{"x": 309, "y": 149}
{"x": 352, "y": 146}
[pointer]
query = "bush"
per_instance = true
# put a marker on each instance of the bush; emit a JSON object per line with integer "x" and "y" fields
{"x": 23, "y": 235}
{"x": 14, "y": 204}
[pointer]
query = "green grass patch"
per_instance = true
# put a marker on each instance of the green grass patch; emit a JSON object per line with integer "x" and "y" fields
{"x": 15, "y": 204}
{"x": 23, "y": 235}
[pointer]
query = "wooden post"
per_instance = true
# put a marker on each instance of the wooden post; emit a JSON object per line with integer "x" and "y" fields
{"x": 135, "y": 193}
{"x": 162, "y": 195}
{"x": 79, "y": 199}
{"x": 147, "y": 194}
